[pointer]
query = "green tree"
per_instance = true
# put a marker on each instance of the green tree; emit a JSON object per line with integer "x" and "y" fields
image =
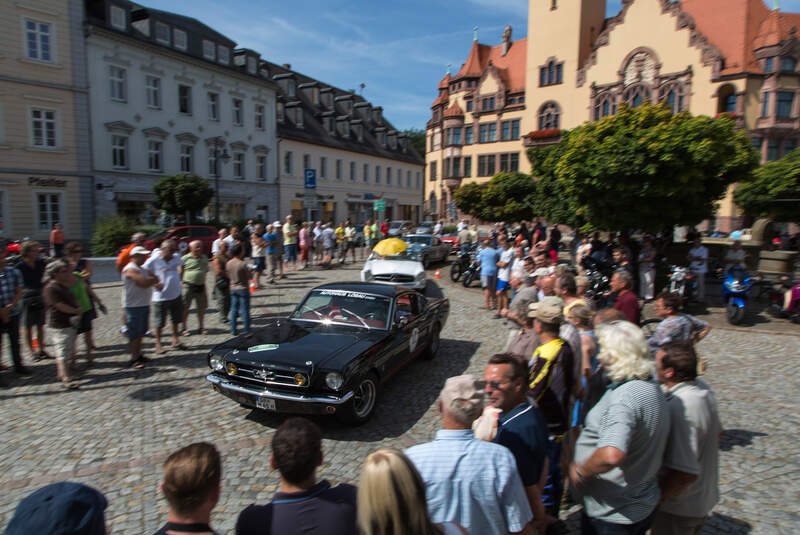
{"x": 469, "y": 198}
{"x": 416, "y": 137}
{"x": 182, "y": 194}
{"x": 648, "y": 168}
{"x": 774, "y": 190}
{"x": 551, "y": 200}
{"x": 508, "y": 196}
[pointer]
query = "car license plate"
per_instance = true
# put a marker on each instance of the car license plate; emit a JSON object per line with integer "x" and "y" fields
{"x": 265, "y": 403}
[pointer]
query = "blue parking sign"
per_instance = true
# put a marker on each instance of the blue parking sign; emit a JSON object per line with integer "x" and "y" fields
{"x": 310, "y": 178}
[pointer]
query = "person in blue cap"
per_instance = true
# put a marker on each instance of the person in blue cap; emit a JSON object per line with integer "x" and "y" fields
{"x": 63, "y": 508}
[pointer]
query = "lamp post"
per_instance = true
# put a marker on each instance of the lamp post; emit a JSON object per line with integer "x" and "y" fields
{"x": 225, "y": 157}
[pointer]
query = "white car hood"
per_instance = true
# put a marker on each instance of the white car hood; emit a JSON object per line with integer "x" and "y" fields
{"x": 383, "y": 267}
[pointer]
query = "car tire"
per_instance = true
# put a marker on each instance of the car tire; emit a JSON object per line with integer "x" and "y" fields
{"x": 433, "y": 344}
{"x": 362, "y": 405}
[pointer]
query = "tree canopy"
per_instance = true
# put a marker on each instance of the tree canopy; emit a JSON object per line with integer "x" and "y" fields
{"x": 508, "y": 196}
{"x": 551, "y": 200}
{"x": 417, "y": 139}
{"x": 182, "y": 193}
{"x": 774, "y": 190}
{"x": 644, "y": 167}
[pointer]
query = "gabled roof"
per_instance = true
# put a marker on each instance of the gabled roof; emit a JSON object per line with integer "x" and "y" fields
{"x": 454, "y": 110}
{"x": 776, "y": 28}
{"x": 511, "y": 66}
{"x": 445, "y": 82}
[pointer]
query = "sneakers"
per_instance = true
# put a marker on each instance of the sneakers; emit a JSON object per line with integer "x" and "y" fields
{"x": 123, "y": 329}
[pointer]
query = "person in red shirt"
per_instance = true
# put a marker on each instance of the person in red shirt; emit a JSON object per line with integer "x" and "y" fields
{"x": 626, "y": 302}
{"x": 385, "y": 228}
{"x": 57, "y": 240}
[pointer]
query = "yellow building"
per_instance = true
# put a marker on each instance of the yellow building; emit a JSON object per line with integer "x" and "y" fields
{"x": 45, "y": 168}
{"x": 705, "y": 56}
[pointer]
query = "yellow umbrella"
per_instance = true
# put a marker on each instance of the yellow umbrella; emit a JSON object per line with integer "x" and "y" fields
{"x": 390, "y": 246}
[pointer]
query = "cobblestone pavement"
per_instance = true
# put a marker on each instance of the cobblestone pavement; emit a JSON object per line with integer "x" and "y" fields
{"x": 115, "y": 432}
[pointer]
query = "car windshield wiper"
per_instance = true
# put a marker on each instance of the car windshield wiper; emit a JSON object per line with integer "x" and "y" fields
{"x": 306, "y": 307}
{"x": 364, "y": 323}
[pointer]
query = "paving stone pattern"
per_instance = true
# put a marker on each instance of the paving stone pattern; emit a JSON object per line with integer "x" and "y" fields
{"x": 116, "y": 431}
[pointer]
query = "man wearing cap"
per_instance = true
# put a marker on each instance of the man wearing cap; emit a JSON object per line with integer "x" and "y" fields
{"x": 290, "y": 242}
{"x": 551, "y": 381}
{"x": 167, "y": 300}
{"x": 63, "y": 508}
{"x": 517, "y": 318}
{"x": 271, "y": 252}
{"x": 138, "y": 284}
{"x": 467, "y": 480}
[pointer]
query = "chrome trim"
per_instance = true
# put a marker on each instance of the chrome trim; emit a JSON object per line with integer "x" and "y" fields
{"x": 227, "y": 385}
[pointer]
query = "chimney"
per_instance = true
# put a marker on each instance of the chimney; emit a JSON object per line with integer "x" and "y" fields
{"x": 287, "y": 66}
{"x": 506, "y": 39}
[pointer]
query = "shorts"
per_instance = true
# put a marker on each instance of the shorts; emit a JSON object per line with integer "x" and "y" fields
{"x": 291, "y": 252}
{"x": 85, "y": 324}
{"x": 161, "y": 308}
{"x": 259, "y": 264}
{"x": 195, "y": 292}
{"x": 489, "y": 281}
{"x": 64, "y": 342}
{"x": 33, "y": 311}
{"x": 328, "y": 251}
{"x": 137, "y": 319}
{"x": 502, "y": 285}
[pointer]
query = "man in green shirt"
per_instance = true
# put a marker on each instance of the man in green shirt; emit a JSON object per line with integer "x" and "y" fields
{"x": 193, "y": 275}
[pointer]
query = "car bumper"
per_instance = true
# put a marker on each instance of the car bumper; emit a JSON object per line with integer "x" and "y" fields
{"x": 414, "y": 285}
{"x": 283, "y": 401}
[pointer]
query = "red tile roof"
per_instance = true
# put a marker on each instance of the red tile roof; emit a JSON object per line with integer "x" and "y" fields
{"x": 454, "y": 110}
{"x": 445, "y": 82}
{"x": 511, "y": 66}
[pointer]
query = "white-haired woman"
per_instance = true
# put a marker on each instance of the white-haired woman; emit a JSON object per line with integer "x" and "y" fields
{"x": 391, "y": 498}
{"x": 615, "y": 469}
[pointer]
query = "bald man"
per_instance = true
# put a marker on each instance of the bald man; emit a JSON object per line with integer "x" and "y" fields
{"x": 193, "y": 274}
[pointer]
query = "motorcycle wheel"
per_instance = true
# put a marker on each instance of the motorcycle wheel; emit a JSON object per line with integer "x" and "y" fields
{"x": 649, "y": 327}
{"x": 735, "y": 314}
{"x": 468, "y": 279}
{"x": 455, "y": 271}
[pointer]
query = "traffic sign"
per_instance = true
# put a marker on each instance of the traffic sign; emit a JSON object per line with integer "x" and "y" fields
{"x": 379, "y": 205}
{"x": 310, "y": 178}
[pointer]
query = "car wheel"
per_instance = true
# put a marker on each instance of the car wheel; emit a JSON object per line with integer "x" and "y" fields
{"x": 361, "y": 406}
{"x": 433, "y": 344}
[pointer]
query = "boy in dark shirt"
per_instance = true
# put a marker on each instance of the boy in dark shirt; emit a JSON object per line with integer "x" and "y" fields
{"x": 303, "y": 506}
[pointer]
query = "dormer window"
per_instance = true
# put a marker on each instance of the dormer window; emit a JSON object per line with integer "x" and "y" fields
{"x": 162, "y": 33}
{"x": 179, "y": 39}
{"x": 769, "y": 65}
{"x": 359, "y": 130}
{"x": 381, "y": 138}
{"x": 223, "y": 54}
{"x": 251, "y": 64}
{"x": 291, "y": 88}
{"x": 788, "y": 64}
{"x": 315, "y": 95}
{"x": 118, "y": 18}
{"x": 279, "y": 112}
{"x": 298, "y": 116}
{"x": 328, "y": 122}
{"x": 209, "y": 50}
{"x": 343, "y": 127}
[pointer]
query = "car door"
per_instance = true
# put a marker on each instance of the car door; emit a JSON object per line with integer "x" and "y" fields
{"x": 439, "y": 249}
{"x": 406, "y": 331}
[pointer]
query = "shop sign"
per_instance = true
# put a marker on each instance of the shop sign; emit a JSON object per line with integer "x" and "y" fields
{"x": 46, "y": 182}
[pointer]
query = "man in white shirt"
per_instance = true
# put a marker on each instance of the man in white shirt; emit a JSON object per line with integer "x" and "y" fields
{"x": 138, "y": 285}
{"x": 437, "y": 228}
{"x": 698, "y": 263}
{"x": 503, "y": 276}
{"x": 690, "y": 482}
{"x": 167, "y": 300}
{"x": 735, "y": 256}
{"x": 223, "y": 233}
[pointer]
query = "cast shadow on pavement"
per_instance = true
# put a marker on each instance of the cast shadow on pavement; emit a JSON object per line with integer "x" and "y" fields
{"x": 731, "y": 438}
{"x": 726, "y": 524}
{"x": 158, "y": 392}
{"x": 402, "y": 401}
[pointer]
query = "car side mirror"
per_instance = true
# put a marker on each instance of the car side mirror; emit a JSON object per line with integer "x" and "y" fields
{"x": 401, "y": 323}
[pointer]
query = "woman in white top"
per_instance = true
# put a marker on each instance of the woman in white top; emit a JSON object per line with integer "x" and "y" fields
{"x": 391, "y": 498}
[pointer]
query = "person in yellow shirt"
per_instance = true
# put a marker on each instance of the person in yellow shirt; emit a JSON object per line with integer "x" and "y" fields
{"x": 368, "y": 236}
{"x": 341, "y": 244}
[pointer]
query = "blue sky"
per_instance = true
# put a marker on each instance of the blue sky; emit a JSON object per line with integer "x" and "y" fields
{"x": 398, "y": 50}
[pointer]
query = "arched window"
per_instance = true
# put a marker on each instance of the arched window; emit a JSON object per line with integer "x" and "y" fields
{"x": 433, "y": 202}
{"x": 551, "y": 73}
{"x": 635, "y": 95}
{"x": 673, "y": 95}
{"x": 549, "y": 115}
{"x": 604, "y": 106}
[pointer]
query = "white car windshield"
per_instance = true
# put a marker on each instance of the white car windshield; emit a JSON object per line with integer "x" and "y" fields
{"x": 344, "y": 307}
{"x": 408, "y": 254}
{"x": 424, "y": 240}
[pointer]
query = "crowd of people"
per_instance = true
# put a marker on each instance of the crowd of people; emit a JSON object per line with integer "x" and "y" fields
{"x": 580, "y": 405}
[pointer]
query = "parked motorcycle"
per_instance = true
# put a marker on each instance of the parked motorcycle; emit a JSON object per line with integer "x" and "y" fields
{"x": 682, "y": 282}
{"x": 473, "y": 270}
{"x": 735, "y": 287}
{"x": 599, "y": 275}
{"x": 460, "y": 264}
{"x": 776, "y": 295}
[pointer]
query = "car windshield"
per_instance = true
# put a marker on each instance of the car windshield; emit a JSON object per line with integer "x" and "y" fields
{"x": 424, "y": 240}
{"x": 408, "y": 254}
{"x": 344, "y": 307}
{"x": 396, "y": 224}
{"x": 160, "y": 234}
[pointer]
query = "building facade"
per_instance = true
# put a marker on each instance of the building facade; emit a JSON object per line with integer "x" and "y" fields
{"x": 45, "y": 165}
{"x": 355, "y": 153}
{"x": 706, "y": 56}
{"x": 170, "y": 95}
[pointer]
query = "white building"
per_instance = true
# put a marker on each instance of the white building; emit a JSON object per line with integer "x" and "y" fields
{"x": 169, "y": 95}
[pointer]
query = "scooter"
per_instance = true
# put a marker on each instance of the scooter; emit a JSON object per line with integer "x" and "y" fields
{"x": 735, "y": 287}
{"x": 682, "y": 282}
{"x": 473, "y": 270}
{"x": 460, "y": 264}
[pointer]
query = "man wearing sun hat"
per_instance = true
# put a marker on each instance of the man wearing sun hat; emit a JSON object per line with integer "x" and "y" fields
{"x": 138, "y": 283}
{"x": 551, "y": 382}
{"x": 462, "y": 474}
{"x": 63, "y": 508}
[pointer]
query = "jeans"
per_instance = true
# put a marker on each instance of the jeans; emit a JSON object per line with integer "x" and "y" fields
{"x": 12, "y": 329}
{"x": 240, "y": 306}
{"x": 554, "y": 486}
{"x": 595, "y": 526}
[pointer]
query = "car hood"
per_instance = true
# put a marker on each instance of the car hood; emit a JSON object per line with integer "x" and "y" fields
{"x": 418, "y": 246}
{"x": 381, "y": 267}
{"x": 299, "y": 345}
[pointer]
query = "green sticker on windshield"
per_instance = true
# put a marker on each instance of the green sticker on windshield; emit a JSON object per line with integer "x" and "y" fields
{"x": 264, "y": 347}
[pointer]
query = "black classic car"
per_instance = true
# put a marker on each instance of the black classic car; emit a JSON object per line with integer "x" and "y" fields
{"x": 333, "y": 351}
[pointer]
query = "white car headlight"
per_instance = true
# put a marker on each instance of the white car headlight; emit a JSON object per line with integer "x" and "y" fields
{"x": 334, "y": 380}
{"x": 216, "y": 363}
{"x": 420, "y": 276}
{"x": 367, "y": 275}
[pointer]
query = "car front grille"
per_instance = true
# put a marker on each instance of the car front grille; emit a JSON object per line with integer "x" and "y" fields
{"x": 393, "y": 277}
{"x": 267, "y": 376}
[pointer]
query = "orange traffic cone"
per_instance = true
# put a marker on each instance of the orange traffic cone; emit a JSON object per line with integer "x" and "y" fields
{"x": 437, "y": 275}
{"x": 35, "y": 343}
{"x": 252, "y": 287}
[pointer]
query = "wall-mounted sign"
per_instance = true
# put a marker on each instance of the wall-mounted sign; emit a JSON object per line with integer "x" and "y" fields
{"x": 46, "y": 182}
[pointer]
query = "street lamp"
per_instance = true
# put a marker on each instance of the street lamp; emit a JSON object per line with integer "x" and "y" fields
{"x": 225, "y": 157}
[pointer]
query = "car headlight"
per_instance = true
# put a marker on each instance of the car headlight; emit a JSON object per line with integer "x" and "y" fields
{"x": 367, "y": 275}
{"x": 334, "y": 380}
{"x": 231, "y": 368}
{"x": 420, "y": 276}
{"x": 216, "y": 363}
{"x": 300, "y": 379}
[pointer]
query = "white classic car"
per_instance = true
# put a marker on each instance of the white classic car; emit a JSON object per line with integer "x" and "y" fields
{"x": 404, "y": 269}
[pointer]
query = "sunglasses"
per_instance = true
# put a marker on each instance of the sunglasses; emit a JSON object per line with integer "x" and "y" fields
{"x": 494, "y": 385}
